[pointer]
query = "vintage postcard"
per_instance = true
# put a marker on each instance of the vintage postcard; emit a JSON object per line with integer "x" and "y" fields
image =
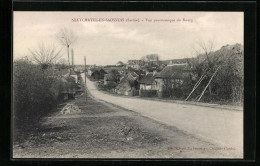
{"x": 128, "y": 85}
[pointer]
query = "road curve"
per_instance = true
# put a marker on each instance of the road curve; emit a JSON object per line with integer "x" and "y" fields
{"x": 219, "y": 126}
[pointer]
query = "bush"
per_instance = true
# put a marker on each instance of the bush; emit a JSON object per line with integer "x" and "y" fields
{"x": 147, "y": 93}
{"x": 134, "y": 92}
{"x": 33, "y": 94}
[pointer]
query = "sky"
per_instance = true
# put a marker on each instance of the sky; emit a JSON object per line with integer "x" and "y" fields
{"x": 107, "y": 42}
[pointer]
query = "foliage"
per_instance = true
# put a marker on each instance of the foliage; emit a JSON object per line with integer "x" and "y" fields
{"x": 147, "y": 93}
{"x": 35, "y": 94}
{"x": 151, "y": 57}
{"x": 45, "y": 54}
{"x": 134, "y": 92}
{"x": 227, "y": 85}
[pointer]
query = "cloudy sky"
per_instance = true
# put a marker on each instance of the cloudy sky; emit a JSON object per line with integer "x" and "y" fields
{"x": 108, "y": 42}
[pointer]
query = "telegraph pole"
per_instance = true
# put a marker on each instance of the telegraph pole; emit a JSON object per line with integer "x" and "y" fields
{"x": 85, "y": 79}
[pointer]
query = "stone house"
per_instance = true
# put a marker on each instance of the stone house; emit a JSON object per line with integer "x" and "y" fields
{"x": 98, "y": 74}
{"x": 148, "y": 82}
{"x": 172, "y": 76}
{"x": 127, "y": 84}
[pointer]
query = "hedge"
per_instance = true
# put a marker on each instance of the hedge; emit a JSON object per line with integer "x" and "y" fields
{"x": 147, "y": 93}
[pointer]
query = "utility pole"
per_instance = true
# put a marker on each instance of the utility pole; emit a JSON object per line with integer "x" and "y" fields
{"x": 85, "y": 79}
{"x": 72, "y": 57}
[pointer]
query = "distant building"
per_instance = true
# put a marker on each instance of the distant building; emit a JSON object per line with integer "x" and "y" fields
{"x": 98, "y": 73}
{"x": 136, "y": 64}
{"x": 151, "y": 59}
{"x": 74, "y": 75}
{"x": 120, "y": 63}
{"x": 90, "y": 71}
{"x": 173, "y": 61}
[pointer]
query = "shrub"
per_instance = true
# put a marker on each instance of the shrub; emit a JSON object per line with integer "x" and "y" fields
{"x": 33, "y": 94}
{"x": 134, "y": 92}
{"x": 147, "y": 93}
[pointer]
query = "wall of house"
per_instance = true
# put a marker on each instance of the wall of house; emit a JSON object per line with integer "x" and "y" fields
{"x": 142, "y": 86}
{"x": 160, "y": 84}
{"x": 76, "y": 78}
{"x": 95, "y": 75}
{"x": 149, "y": 87}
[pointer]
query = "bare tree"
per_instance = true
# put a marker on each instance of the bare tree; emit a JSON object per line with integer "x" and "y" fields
{"x": 150, "y": 57}
{"x": 62, "y": 61}
{"x": 45, "y": 54}
{"x": 66, "y": 37}
{"x": 206, "y": 49}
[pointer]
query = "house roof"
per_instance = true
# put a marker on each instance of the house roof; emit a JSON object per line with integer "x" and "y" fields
{"x": 120, "y": 63}
{"x": 112, "y": 70}
{"x": 148, "y": 79}
{"x": 174, "y": 71}
{"x": 134, "y": 74}
{"x": 102, "y": 71}
{"x": 126, "y": 82}
{"x": 98, "y": 70}
{"x": 111, "y": 77}
{"x": 92, "y": 70}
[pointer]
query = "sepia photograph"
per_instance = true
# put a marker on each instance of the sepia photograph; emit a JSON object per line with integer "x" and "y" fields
{"x": 153, "y": 84}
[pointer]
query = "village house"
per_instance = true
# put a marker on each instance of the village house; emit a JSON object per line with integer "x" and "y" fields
{"x": 148, "y": 82}
{"x": 120, "y": 63}
{"x": 173, "y": 61}
{"x": 90, "y": 71}
{"x": 136, "y": 64}
{"x": 111, "y": 79}
{"x": 172, "y": 76}
{"x": 68, "y": 89}
{"x": 74, "y": 74}
{"x": 127, "y": 84}
{"x": 114, "y": 70}
{"x": 98, "y": 74}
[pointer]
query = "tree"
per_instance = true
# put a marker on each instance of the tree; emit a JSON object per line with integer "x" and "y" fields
{"x": 220, "y": 72}
{"x": 66, "y": 37}
{"x": 62, "y": 61}
{"x": 205, "y": 50}
{"x": 150, "y": 57}
{"x": 45, "y": 55}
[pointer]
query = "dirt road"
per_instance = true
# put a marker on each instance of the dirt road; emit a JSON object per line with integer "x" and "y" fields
{"x": 218, "y": 126}
{"x": 102, "y": 130}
